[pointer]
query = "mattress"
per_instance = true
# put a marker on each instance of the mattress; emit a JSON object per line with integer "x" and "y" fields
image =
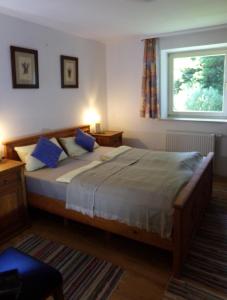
{"x": 43, "y": 181}
{"x": 129, "y": 188}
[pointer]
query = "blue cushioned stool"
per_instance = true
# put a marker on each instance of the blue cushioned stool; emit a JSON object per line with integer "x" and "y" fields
{"x": 39, "y": 280}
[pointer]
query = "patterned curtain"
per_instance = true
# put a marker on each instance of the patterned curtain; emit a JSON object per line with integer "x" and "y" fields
{"x": 150, "y": 101}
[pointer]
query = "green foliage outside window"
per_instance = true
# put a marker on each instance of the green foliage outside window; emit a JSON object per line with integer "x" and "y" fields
{"x": 203, "y": 83}
{"x": 207, "y": 99}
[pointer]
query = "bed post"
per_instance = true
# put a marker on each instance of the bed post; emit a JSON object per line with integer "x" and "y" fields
{"x": 188, "y": 211}
{"x": 177, "y": 237}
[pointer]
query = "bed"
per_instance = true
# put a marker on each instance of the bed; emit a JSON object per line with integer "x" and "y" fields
{"x": 188, "y": 206}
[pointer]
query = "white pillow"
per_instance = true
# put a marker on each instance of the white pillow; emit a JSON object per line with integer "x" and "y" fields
{"x": 63, "y": 154}
{"x": 32, "y": 163}
{"x": 71, "y": 147}
{"x": 96, "y": 145}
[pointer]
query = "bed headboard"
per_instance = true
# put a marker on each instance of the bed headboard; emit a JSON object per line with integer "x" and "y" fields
{"x": 10, "y": 153}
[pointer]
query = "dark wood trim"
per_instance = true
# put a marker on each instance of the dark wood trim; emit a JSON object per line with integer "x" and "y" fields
{"x": 62, "y": 58}
{"x": 14, "y": 49}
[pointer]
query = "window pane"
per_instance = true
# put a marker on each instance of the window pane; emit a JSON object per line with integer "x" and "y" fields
{"x": 198, "y": 83}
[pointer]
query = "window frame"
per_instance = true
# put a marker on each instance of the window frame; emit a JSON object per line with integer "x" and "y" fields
{"x": 170, "y": 83}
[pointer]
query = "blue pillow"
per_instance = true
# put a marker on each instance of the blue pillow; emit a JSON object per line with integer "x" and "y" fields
{"x": 47, "y": 152}
{"x": 85, "y": 140}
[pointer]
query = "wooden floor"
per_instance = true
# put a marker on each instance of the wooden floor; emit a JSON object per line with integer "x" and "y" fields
{"x": 147, "y": 269}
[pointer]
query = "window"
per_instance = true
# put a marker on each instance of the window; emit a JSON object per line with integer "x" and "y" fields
{"x": 197, "y": 84}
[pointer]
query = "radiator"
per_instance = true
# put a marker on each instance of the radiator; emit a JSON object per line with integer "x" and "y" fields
{"x": 181, "y": 141}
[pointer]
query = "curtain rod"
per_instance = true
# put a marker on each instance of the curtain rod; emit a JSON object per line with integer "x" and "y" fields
{"x": 187, "y": 31}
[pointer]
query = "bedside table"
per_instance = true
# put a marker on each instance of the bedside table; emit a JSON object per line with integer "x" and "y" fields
{"x": 109, "y": 138}
{"x": 13, "y": 206}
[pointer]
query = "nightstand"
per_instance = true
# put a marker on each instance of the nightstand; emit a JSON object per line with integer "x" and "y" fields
{"x": 109, "y": 138}
{"x": 13, "y": 210}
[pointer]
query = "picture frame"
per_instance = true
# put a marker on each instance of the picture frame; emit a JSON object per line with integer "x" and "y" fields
{"x": 24, "y": 65}
{"x": 69, "y": 72}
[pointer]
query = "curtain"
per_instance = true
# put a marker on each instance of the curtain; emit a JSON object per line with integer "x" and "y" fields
{"x": 150, "y": 101}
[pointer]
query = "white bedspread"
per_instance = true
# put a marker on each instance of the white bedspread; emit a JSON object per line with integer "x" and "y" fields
{"x": 67, "y": 177}
{"x": 115, "y": 152}
{"x": 137, "y": 187}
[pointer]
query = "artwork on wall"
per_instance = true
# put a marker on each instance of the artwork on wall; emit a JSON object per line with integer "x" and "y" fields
{"x": 24, "y": 64}
{"x": 69, "y": 72}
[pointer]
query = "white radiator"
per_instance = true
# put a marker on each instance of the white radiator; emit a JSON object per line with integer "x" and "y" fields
{"x": 181, "y": 141}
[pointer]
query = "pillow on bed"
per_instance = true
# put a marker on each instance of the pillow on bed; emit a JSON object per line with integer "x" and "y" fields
{"x": 85, "y": 140}
{"x": 47, "y": 152}
{"x": 31, "y": 163}
{"x": 63, "y": 154}
{"x": 72, "y": 148}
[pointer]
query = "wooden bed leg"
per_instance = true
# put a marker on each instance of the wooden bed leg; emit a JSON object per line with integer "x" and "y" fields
{"x": 66, "y": 222}
{"x": 107, "y": 236}
{"x": 178, "y": 251}
{"x": 189, "y": 209}
{"x": 176, "y": 268}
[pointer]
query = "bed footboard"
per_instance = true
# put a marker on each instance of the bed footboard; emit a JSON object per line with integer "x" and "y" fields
{"x": 188, "y": 210}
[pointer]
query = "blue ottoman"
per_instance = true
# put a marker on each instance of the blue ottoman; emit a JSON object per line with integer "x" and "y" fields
{"x": 39, "y": 280}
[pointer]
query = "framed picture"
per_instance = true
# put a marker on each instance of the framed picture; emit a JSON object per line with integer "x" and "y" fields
{"x": 24, "y": 64}
{"x": 69, "y": 72}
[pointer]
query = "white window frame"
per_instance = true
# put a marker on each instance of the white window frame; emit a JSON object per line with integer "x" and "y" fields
{"x": 185, "y": 53}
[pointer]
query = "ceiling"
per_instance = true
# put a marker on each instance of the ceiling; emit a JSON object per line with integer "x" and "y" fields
{"x": 110, "y": 19}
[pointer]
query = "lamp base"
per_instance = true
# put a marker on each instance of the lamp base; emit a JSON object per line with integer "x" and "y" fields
{"x": 98, "y": 128}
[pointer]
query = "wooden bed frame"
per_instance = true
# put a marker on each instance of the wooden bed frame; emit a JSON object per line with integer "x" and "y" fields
{"x": 189, "y": 205}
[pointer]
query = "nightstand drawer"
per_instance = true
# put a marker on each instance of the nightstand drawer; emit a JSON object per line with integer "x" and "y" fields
{"x": 116, "y": 141}
{"x": 8, "y": 203}
{"x": 8, "y": 179}
{"x": 13, "y": 211}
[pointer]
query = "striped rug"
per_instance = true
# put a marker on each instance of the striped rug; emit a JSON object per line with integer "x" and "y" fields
{"x": 84, "y": 277}
{"x": 205, "y": 271}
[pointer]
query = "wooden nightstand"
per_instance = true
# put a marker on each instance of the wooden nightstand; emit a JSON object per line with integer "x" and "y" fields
{"x": 13, "y": 210}
{"x": 109, "y": 138}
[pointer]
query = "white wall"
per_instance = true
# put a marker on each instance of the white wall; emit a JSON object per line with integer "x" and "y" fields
{"x": 124, "y": 73}
{"x": 25, "y": 111}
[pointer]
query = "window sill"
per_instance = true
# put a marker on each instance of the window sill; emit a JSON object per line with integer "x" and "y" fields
{"x": 194, "y": 120}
